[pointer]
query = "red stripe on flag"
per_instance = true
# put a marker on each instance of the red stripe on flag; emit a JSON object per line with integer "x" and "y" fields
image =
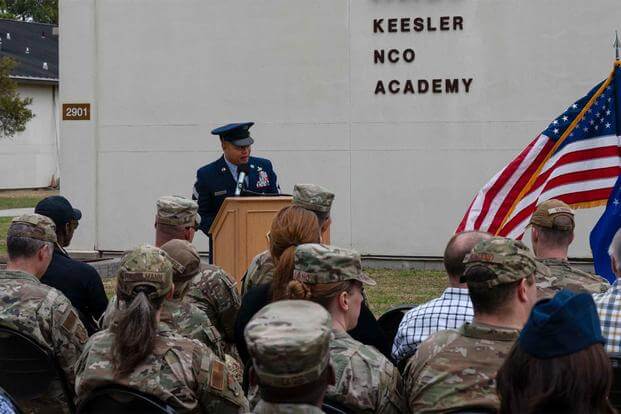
{"x": 519, "y": 185}
{"x": 462, "y": 224}
{"x": 581, "y": 176}
{"x": 576, "y": 156}
{"x": 505, "y": 176}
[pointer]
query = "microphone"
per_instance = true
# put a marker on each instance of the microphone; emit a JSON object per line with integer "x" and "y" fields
{"x": 242, "y": 172}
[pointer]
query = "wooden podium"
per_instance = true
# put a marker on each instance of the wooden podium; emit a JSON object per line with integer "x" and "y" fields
{"x": 239, "y": 231}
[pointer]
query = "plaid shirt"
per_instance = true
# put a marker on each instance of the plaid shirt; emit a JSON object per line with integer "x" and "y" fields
{"x": 449, "y": 311}
{"x": 609, "y": 310}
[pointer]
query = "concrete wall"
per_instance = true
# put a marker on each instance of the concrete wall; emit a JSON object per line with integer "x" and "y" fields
{"x": 30, "y": 158}
{"x": 160, "y": 74}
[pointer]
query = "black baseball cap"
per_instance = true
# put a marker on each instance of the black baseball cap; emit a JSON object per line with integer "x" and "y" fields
{"x": 59, "y": 209}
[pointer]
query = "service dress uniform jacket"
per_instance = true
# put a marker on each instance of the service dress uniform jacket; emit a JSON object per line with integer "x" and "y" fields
{"x": 215, "y": 182}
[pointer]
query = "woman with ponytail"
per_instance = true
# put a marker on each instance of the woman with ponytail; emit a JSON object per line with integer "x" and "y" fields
{"x": 366, "y": 381}
{"x": 295, "y": 225}
{"x": 140, "y": 353}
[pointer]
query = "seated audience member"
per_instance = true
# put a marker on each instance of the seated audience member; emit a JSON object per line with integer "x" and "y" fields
{"x": 558, "y": 364}
{"x": 139, "y": 352}
{"x": 292, "y": 226}
{"x": 450, "y": 310}
{"x": 366, "y": 381}
{"x": 37, "y": 310}
{"x": 181, "y": 318}
{"x": 609, "y": 304}
{"x": 552, "y": 231}
{"x": 289, "y": 343}
{"x": 212, "y": 290}
{"x": 309, "y": 196}
{"x": 456, "y": 370}
{"x": 78, "y": 281}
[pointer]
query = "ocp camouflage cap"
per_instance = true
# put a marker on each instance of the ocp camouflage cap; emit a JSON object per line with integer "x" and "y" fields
{"x": 320, "y": 263}
{"x": 312, "y": 197}
{"x": 144, "y": 266}
{"x": 177, "y": 211}
{"x": 36, "y": 227}
{"x": 289, "y": 342}
{"x": 554, "y": 214}
{"x": 184, "y": 257}
{"x": 507, "y": 259}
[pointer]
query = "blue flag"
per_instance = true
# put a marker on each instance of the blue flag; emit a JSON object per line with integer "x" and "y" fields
{"x": 610, "y": 221}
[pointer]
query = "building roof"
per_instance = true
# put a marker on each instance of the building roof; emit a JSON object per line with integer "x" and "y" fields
{"x": 33, "y": 46}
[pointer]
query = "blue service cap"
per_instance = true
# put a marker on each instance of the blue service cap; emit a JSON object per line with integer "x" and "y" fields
{"x": 237, "y": 134}
{"x": 562, "y": 325}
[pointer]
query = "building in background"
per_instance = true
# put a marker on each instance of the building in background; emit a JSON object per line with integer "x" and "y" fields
{"x": 30, "y": 158}
{"x": 403, "y": 108}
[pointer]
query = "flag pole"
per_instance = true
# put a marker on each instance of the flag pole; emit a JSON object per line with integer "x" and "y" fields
{"x": 617, "y": 45}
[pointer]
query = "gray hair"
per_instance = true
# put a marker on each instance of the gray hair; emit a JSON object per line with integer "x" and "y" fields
{"x": 23, "y": 247}
{"x": 614, "y": 250}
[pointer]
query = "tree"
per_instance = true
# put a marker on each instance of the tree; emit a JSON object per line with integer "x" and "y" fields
{"x": 40, "y": 11}
{"x": 14, "y": 114}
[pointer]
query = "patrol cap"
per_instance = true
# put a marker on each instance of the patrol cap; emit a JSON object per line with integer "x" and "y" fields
{"x": 184, "y": 258}
{"x": 59, "y": 209}
{"x": 177, "y": 211}
{"x": 320, "y": 263}
{"x": 36, "y": 227}
{"x": 550, "y": 214}
{"x": 509, "y": 260}
{"x": 237, "y": 134}
{"x": 562, "y": 325}
{"x": 144, "y": 266}
{"x": 313, "y": 197}
{"x": 289, "y": 342}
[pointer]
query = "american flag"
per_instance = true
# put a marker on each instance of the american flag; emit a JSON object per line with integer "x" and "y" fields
{"x": 576, "y": 159}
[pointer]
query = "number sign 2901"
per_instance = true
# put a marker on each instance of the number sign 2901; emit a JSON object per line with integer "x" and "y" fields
{"x": 76, "y": 112}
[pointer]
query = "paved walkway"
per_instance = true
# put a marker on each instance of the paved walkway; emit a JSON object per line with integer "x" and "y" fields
{"x": 12, "y": 212}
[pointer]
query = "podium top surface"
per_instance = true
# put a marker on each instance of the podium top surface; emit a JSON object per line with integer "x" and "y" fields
{"x": 246, "y": 200}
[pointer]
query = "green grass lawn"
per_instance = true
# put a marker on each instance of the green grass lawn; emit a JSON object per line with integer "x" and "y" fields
{"x": 18, "y": 202}
{"x": 394, "y": 287}
{"x": 4, "y": 227}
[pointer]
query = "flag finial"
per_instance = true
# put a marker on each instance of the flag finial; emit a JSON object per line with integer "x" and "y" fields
{"x": 617, "y": 45}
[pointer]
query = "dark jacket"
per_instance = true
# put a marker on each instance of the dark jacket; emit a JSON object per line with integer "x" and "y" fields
{"x": 214, "y": 182}
{"x": 367, "y": 331}
{"x": 81, "y": 284}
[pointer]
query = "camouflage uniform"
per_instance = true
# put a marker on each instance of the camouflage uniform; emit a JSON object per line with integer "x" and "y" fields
{"x": 456, "y": 370}
{"x": 181, "y": 318}
{"x": 289, "y": 344}
{"x": 565, "y": 276}
{"x": 177, "y": 211}
{"x": 264, "y": 407}
{"x": 214, "y": 292}
{"x": 366, "y": 382}
{"x": 309, "y": 196}
{"x": 555, "y": 215}
{"x": 260, "y": 271}
{"x": 44, "y": 314}
{"x": 180, "y": 371}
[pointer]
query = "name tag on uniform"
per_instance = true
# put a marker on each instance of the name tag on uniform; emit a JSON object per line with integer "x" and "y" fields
{"x": 219, "y": 193}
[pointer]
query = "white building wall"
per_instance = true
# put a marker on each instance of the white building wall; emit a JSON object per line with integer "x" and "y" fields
{"x": 29, "y": 159}
{"x": 161, "y": 74}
